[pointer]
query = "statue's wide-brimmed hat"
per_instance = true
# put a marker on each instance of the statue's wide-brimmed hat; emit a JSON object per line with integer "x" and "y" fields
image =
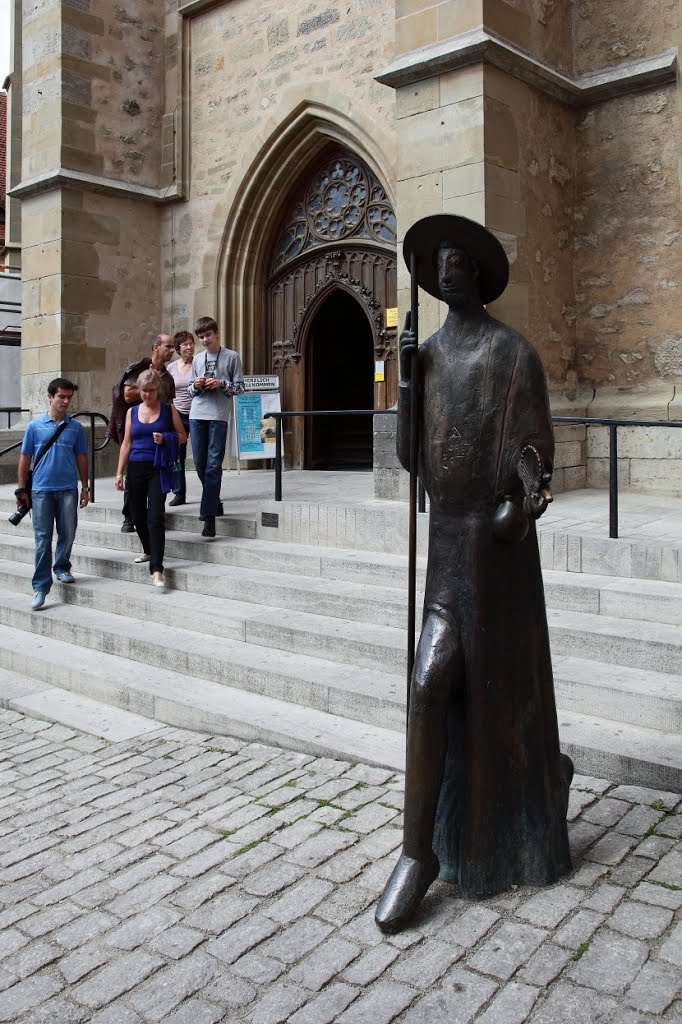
{"x": 429, "y": 234}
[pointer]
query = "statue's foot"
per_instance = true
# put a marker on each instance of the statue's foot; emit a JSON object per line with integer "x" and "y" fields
{"x": 404, "y": 891}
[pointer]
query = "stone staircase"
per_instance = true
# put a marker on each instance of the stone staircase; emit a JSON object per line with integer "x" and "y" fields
{"x": 303, "y": 645}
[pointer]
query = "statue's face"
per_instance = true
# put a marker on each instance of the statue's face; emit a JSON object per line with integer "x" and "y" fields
{"x": 456, "y": 276}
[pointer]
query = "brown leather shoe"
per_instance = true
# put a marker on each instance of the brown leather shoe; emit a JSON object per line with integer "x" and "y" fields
{"x": 177, "y": 500}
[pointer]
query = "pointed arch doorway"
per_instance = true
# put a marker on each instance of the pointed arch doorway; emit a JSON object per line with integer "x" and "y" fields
{"x": 340, "y": 375}
{"x": 332, "y": 275}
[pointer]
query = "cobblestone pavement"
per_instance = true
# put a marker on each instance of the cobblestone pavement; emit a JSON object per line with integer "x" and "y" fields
{"x": 188, "y": 878}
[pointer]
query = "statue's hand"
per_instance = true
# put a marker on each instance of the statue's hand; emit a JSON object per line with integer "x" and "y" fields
{"x": 535, "y": 504}
{"x": 407, "y": 348}
{"x": 536, "y": 480}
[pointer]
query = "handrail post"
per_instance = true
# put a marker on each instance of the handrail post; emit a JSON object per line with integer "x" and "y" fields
{"x": 92, "y": 457}
{"x": 278, "y": 460}
{"x": 421, "y": 497}
{"x": 613, "y": 481}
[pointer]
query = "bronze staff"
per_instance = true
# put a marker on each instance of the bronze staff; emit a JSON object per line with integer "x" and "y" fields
{"x": 412, "y": 321}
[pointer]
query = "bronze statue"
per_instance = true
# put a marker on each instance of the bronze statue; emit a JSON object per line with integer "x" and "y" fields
{"x": 486, "y": 787}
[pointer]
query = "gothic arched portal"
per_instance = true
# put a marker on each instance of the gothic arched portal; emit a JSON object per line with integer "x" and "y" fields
{"x": 331, "y": 277}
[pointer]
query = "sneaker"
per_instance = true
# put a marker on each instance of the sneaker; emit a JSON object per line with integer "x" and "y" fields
{"x": 140, "y": 559}
{"x": 209, "y": 527}
{"x": 38, "y": 600}
{"x": 177, "y": 500}
{"x": 128, "y": 526}
{"x": 64, "y": 577}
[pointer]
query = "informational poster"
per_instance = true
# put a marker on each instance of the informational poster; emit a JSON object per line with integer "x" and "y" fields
{"x": 379, "y": 371}
{"x": 392, "y": 316}
{"x": 256, "y": 430}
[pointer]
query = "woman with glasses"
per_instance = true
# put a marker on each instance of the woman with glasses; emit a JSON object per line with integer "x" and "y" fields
{"x": 149, "y": 426}
{"x": 181, "y": 372}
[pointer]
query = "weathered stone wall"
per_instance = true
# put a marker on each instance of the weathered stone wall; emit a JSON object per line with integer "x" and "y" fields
{"x": 606, "y": 33}
{"x": 628, "y": 243}
{"x": 628, "y": 263}
{"x": 120, "y": 82}
{"x": 41, "y": 87}
{"x": 542, "y": 27}
{"x": 90, "y": 291}
{"x": 530, "y": 180}
{"x": 251, "y": 66}
{"x": 93, "y": 88}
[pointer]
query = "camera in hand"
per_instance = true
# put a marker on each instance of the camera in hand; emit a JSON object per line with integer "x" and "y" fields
{"x": 23, "y": 509}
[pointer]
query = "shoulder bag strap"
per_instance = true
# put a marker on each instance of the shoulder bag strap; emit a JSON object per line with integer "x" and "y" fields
{"x": 60, "y": 429}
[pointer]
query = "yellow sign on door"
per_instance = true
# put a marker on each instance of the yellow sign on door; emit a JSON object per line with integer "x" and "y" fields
{"x": 392, "y": 317}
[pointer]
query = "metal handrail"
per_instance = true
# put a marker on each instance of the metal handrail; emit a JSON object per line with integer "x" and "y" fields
{"x": 92, "y": 447}
{"x": 590, "y": 421}
{"x": 10, "y": 410}
{"x": 310, "y": 412}
{"x": 613, "y": 424}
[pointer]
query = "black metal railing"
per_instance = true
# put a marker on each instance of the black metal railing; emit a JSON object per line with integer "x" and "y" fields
{"x": 589, "y": 421}
{"x": 11, "y": 410}
{"x": 279, "y": 416}
{"x": 613, "y": 424}
{"x": 92, "y": 447}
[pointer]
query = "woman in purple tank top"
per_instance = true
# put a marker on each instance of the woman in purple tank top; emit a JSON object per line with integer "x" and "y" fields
{"x": 145, "y": 427}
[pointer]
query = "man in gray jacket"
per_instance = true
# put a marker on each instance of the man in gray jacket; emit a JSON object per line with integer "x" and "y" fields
{"x": 216, "y": 376}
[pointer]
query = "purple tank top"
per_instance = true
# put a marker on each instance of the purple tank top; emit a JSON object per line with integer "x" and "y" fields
{"x": 143, "y": 447}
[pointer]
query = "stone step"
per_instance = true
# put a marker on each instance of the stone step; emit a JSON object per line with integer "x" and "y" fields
{"x": 651, "y": 646}
{"x": 621, "y": 694}
{"x": 372, "y": 695}
{"x": 649, "y": 699}
{"x": 339, "y": 598}
{"x": 184, "y": 519}
{"x": 205, "y": 705}
{"x": 629, "y": 598}
{"x": 625, "y": 753}
{"x": 334, "y": 639}
{"x": 330, "y": 563}
{"x": 295, "y": 566}
{"x": 72, "y": 710}
{"x": 598, "y": 638}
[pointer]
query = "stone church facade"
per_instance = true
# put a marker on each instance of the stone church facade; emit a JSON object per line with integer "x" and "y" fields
{"x": 261, "y": 162}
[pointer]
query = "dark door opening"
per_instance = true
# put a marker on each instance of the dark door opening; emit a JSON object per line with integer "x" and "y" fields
{"x": 340, "y": 376}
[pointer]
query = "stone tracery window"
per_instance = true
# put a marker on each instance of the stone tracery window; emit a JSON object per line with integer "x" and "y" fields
{"x": 342, "y": 200}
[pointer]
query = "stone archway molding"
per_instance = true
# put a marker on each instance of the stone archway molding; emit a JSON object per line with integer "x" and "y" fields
{"x": 263, "y": 184}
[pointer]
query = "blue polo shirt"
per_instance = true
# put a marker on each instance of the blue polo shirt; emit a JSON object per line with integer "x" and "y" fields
{"x": 57, "y": 470}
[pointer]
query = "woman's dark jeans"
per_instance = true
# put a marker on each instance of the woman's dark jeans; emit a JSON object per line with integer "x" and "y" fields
{"x": 147, "y": 503}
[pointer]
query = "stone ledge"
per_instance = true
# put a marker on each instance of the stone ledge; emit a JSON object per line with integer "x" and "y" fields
{"x": 67, "y": 178}
{"x": 484, "y": 46}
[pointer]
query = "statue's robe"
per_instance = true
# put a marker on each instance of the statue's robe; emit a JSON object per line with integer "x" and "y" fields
{"x": 501, "y": 817}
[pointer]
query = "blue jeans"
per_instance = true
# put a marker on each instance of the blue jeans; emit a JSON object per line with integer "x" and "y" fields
{"x": 50, "y": 508}
{"x": 208, "y": 450}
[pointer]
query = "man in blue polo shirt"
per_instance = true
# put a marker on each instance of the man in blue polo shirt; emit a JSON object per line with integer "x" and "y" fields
{"x": 54, "y": 494}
